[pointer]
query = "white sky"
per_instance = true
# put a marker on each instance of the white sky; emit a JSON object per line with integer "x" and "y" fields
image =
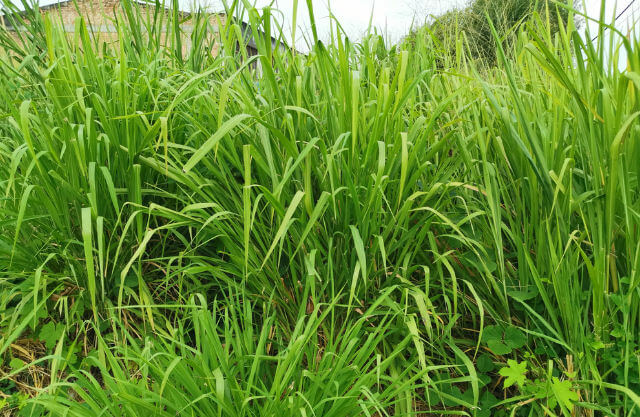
{"x": 627, "y": 13}
{"x": 395, "y": 17}
{"x": 392, "y": 17}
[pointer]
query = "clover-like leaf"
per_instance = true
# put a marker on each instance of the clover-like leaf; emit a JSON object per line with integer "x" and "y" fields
{"x": 492, "y": 336}
{"x": 514, "y": 337}
{"x": 498, "y": 347}
{"x": 492, "y": 333}
{"x": 503, "y": 340}
{"x": 515, "y": 373}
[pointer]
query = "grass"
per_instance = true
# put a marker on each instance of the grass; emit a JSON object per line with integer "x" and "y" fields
{"x": 367, "y": 229}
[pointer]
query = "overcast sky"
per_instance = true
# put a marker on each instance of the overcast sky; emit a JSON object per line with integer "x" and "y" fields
{"x": 395, "y": 17}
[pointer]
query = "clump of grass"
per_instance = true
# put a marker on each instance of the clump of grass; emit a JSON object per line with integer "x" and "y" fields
{"x": 384, "y": 231}
{"x": 244, "y": 363}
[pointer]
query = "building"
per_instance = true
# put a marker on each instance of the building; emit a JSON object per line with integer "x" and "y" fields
{"x": 99, "y": 16}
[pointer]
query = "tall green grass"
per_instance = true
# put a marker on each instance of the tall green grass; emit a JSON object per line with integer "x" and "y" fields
{"x": 366, "y": 229}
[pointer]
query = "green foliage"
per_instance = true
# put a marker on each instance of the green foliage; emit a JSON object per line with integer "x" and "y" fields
{"x": 503, "y": 340}
{"x": 564, "y": 393}
{"x": 363, "y": 230}
{"x": 553, "y": 391}
{"x": 16, "y": 363}
{"x": 514, "y": 373}
{"x": 50, "y": 333}
{"x": 507, "y": 16}
{"x": 230, "y": 372}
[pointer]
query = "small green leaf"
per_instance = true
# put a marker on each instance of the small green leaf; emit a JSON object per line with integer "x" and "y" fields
{"x": 483, "y": 380}
{"x": 563, "y": 393}
{"x": 16, "y": 363}
{"x": 501, "y": 340}
{"x": 514, "y": 337}
{"x": 492, "y": 333}
{"x": 498, "y": 347}
{"x": 50, "y": 333}
{"x": 523, "y": 295}
{"x": 487, "y": 401}
{"x": 515, "y": 373}
{"x": 485, "y": 363}
{"x": 131, "y": 281}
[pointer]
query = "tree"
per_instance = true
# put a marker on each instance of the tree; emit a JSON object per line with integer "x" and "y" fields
{"x": 506, "y": 15}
